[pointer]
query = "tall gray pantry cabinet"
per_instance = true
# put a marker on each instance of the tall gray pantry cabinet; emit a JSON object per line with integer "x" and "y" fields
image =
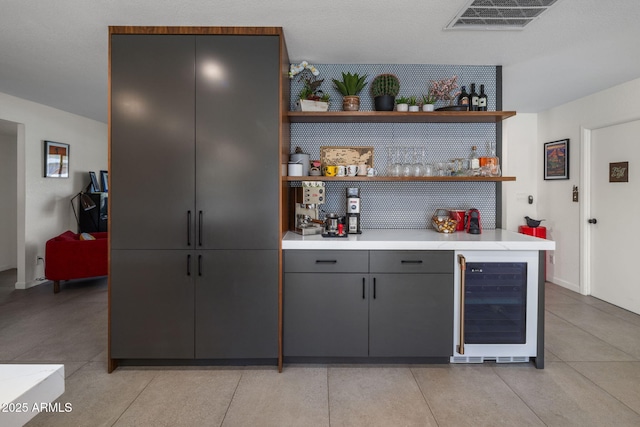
{"x": 194, "y": 196}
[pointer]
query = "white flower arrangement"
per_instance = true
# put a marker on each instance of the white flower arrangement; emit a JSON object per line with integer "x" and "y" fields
{"x": 304, "y": 65}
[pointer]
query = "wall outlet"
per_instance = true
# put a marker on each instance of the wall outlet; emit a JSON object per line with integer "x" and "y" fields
{"x": 552, "y": 259}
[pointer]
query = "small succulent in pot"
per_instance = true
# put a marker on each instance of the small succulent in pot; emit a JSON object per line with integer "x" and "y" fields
{"x": 350, "y": 87}
{"x": 351, "y": 84}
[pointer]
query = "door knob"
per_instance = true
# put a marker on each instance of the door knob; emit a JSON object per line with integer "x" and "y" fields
{"x": 592, "y": 221}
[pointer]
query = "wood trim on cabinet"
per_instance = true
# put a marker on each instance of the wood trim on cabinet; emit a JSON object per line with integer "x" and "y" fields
{"x": 241, "y": 31}
{"x": 285, "y": 143}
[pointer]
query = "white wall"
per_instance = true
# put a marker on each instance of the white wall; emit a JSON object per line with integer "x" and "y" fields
{"x": 44, "y": 208}
{"x": 615, "y": 105}
{"x": 520, "y": 158}
{"x": 8, "y": 195}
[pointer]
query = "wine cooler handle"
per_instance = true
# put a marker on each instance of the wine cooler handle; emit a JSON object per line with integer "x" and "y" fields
{"x": 463, "y": 268}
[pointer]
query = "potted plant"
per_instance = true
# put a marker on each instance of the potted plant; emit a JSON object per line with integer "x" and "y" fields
{"x": 311, "y": 97}
{"x": 445, "y": 90}
{"x": 385, "y": 88}
{"x": 402, "y": 104}
{"x": 413, "y": 104}
{"x": 350, "y": 87}
{"x": 427, "y": 101}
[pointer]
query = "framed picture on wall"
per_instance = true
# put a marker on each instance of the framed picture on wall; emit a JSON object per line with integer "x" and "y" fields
{"x": 56, "y": 160}
{"x": 556, "y": 159}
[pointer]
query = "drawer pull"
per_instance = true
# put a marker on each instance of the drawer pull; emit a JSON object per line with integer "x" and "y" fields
{"x": 326, "y": 261}
{"x": 411, "y": 261}
{"x": 374, "y": 288}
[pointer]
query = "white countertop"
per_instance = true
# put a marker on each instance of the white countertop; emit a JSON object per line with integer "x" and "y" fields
{"x": 421, "y": 240}
{"x": 26, "y": 390}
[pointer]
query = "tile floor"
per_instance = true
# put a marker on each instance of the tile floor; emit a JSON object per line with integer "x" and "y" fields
{"x": 592, "y": 375}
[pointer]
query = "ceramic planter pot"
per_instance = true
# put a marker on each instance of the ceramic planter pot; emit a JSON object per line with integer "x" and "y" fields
{"x": 414, "y": 108}
{"x": 351, "y": 103}
{"x": 308, "y": 105}
{"x": 402, "y": 107}
{"x": 427, "y": 107}
{"x": 384, "y": 102}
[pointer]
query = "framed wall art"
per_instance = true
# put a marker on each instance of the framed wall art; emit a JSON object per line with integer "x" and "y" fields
{"x": 619, "y": 172}
{"x": 56, "y": 160}
{"x": 556, "y": 159}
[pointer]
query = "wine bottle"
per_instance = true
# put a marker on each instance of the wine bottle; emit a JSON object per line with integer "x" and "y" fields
{"x": 482, "y": 100}
{"x": 473, "y": 98}
{"x": 463, "y": 98}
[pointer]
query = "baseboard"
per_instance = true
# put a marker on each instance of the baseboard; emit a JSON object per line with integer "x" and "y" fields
{"x": 571, "y": 286}
{"x": 27, "y": 285}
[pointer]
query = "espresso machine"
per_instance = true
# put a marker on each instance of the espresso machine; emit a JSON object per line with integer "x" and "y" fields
{"x": 307, "y": 199}
{"x": 353, "y": 210}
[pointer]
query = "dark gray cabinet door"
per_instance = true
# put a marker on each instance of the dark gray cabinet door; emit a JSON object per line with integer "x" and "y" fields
{"x": 236, "y": 304}
{"x": 152, "y": 296}
{"x": 411, "y": 315}
{"x": 325, "y": 315}
{"x": 152, "y": 141}
{"x": 237, "y": 137}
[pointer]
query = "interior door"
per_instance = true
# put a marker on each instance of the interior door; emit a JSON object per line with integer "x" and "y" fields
{"x": 615, "y": 234}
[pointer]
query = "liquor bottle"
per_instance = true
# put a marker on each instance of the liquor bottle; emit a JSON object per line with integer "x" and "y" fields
{"x": 482, "y": 100}
{"x": 463, "y": 98}
{"x": 474, "y": 161}
{"x": 473, "y": 98}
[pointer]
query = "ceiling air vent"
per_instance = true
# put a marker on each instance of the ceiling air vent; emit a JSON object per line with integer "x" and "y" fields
{"x": 499, "y": 14}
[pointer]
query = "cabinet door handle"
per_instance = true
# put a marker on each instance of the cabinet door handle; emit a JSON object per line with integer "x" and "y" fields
{"x": 411, "y": 261}
{"x": 363, "y": 294}
{"x": 188, "y": 228}
{"x": 199, "y": 265}
{"x": 188, "y": 265}
{"x": 463, "y": 269}
{"x": 199, "y": 228}
{"x": 374, "y": 288}
{"x": 326, "y": 261}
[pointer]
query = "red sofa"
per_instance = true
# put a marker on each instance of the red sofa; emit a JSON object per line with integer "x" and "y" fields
{"x": 67, "y": 257}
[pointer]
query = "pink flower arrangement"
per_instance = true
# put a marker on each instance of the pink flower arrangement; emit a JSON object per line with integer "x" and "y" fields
{"x": 442, "y": 89}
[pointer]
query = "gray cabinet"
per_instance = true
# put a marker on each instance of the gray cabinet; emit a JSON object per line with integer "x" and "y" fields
{"x": 152, "y": 294}
{"x": 326, "y": 303}
{"x": 236, "y": 304}
{"x": 326, "y": 315}
{"x": 152, "y": 148}
{"x": 195, "y": 135}
{"x": 368, "y": 303}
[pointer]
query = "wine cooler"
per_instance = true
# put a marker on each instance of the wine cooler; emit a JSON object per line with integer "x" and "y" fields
{"x": 496, "y": 306}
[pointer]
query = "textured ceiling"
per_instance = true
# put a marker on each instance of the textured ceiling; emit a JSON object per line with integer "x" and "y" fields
{"x": 55, "y": 52}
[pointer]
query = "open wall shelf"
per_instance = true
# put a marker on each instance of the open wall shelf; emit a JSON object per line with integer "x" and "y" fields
{"x": 399, "y": 117}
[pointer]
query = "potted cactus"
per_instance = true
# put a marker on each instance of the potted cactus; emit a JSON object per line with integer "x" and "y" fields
{"x": 350, "y": 87}
{"x": 385, "y": 88}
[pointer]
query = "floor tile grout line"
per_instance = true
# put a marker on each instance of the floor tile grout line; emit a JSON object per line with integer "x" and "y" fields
{"x": 598, "y": 386}
{"x": 518, "y": 395}
{"x": 235, "y": 390}
{"x": 603, "y": 311}
{"x": 413, "y": 374}
{"x": 594, "y": 336}
{"x": 135, "y": 398}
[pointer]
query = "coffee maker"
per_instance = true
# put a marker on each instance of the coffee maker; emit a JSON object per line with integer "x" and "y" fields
{"x": 306, "y": 200}
{"x": 353, "y": 210}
